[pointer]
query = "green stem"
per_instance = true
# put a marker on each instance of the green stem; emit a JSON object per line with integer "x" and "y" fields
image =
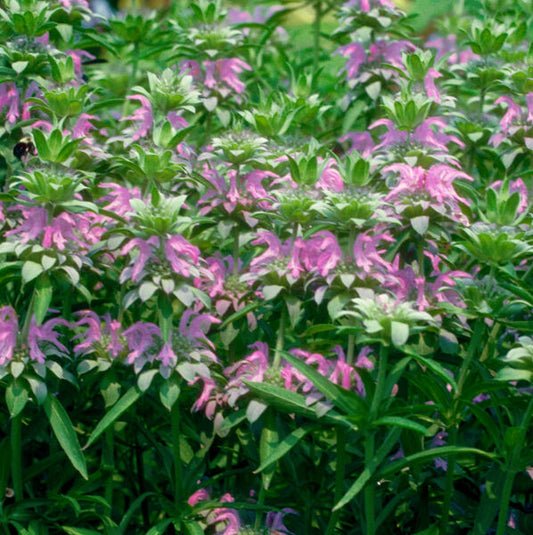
{"x": 260, "y": 502}
{"x": 369, "y": 493}
{"x": 16, "y": 456}
{"x": 316, "y": 35}
{"x": 370, "y": 440}
{"x": 351, "y": 350}
{"x": 236, "y": 256}
{"x": 339, "y": 477}
{"x": 351, "y": 241}
{"x": 109, "y": 466}
{"x": 475, "y": 343}
{"x": 281, "y": 336}
{"x": 513, "y": 469}
{"x": 420, "y": 253}
{"x": 176, "y": 451}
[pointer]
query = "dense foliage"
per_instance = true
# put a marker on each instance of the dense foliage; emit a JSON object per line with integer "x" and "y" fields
{"x": 266, "y": 275}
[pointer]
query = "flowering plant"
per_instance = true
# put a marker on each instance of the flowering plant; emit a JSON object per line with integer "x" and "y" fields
{"x": 253, "y": 282}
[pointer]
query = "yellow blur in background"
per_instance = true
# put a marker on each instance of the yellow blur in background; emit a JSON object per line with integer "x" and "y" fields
{"x": 303, "y": 15}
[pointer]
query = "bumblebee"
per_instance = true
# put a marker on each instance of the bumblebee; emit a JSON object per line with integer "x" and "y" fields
{"x": 23, "y": 147}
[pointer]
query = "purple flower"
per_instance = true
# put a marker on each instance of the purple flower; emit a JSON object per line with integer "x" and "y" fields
{"x": 9, "y": 337}
{"x": 251, "y": 368}
{"x": 45, "y": 333}
{"x": 428, "y": 187}
{"x": 181, "y": 255}
{"x": 274, "y": 521}
{"x": 515, "y": 120}
{"x": 8, "y": 333}
{"x": 322, "y": 253}
{"x": 235, "y": 195}
{"x": 367, "y": 256}
{"x": 102, "y": 332}
{"x": 135, "y": 270}
{"x": 119, "y": 198}
{"x": 142, "y": 115}
{"x": 429, "y": 84}
{"x": 140, "y": 338}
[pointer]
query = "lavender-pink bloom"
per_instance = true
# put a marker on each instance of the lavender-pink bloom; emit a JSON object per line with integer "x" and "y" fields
{"x": 181, "y": 254}
{"x": 140, "y": 337}
{"x": 145, "y": 253}
{"x": 274, "y": 521}
{"x": 143, "y": 115}
{"x": 45, "y": 332}
{"x": 429, "y": 84}
{"x": 35, "y": 218}
{"x": 322, "y": 253}
{"x": 119, "y": 198}
{"x": 8, "y": 333}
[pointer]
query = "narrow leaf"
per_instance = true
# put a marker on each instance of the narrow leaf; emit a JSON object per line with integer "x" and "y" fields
{"x": 65, "y": 434}
{"x": 119, "y": 408}
{"x": 285, "y": 445}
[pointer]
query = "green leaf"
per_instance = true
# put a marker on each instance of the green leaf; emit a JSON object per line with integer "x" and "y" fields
{"x": 345, "y": 400}
{"x": 120, "y": 407}
{"x": 145, "y": 379}
{"x": 164, "y": 307}
{"x": 31, "y": 270}
{"x": 65, "y": 434}
{"x": 194, "y": 528}
{"x": 80, "y": 531}
{"x": 132, "y": 508}
{"x": 429, "y": 455}
{"x": 159, "y": 528}
{"x": 16, "y": 398}
{"x": 370, "y": 467}
{"x": 268, "y": 442}
{"x": 285, "y": 445}
{"x": 43, "y": 297}
{"x": 169, "y": 393}
{"x": 399, "y": 333}
{"x": 433, "y": 365}
{"x": 271, "y": 291}
{"x": 398, "y": 421}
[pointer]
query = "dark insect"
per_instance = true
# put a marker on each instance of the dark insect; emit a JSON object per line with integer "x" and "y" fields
{"x": 23, "y": 147}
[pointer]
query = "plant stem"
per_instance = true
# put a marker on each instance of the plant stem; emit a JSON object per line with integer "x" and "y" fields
{"x": 236, "y": 256}
{"x": 260, "y": 502}
{"x": 281, "y": 336}
{"x": 316, "y": 36}
{"x": 176, "y": 452}
{"x": 109, "y": 454}
{"x": 513, "y": 469}
{"x": 369, "y": 491}
{"x": 339, "y": 477}
{"x": 475, "y": 343}
{"x": 16, "y": 456}
{"x": 350, "y": 350}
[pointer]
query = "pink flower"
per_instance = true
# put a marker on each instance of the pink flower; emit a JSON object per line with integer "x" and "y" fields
{"x": 322, "y": 253}
{"x": 429, "y": 84}
{"x": 181, "y": 255}
{"x": 45, "y": 333}
{"x": 8, "y": 333}
{"x": 135, "y": 270}
{"x": 142, "y": 115}
{"x": 140, "y": 338}
{"x": 119, "y": 198}
{"x": 251, "y": 368}
{"x": 274, "y": 521}
{"x": 330, "y": 179}
{"x": 429, "y": 187}
{"x": 367, "y": 256}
